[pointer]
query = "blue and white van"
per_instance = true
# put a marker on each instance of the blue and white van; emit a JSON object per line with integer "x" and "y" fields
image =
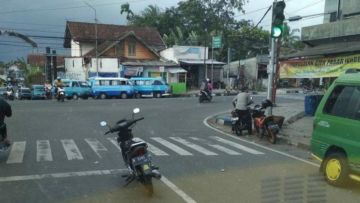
{"x": 154, "y": 87}
{"x": 75, "y": 89}
{"x": 104, "y": 87}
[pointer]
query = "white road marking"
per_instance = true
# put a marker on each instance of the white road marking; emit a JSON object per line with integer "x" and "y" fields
{"x": 224, "y": 149}
{"x": 96, "y": 146}
{"x": 61, "y": 175}
{"x": 114, "y": 142}
{"x": 218, "y": 147}
{"x": 172, "y": 146}
{"x": 194, "y": 146}
{"x": 17, "y": 153}
{"x": 236, "y": 145}
{"x": 166, "y": 181}
{"x": 43, "y": 151}
{"x": 71, "y": 150}
{"x": 156, "y": 151}
{"x": 255, "y": 144}
{"x": 177, "y": 190}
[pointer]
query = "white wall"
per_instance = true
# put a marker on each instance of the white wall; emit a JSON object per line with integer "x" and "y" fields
{"x": 105, "y": 65}
{"x": 74, "y": 68}
{"x": 86, "y": 47}
{"x": 75, "y": 49}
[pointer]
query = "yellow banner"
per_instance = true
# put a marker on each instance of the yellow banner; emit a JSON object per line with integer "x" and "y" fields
{"x": 318, "y": 67}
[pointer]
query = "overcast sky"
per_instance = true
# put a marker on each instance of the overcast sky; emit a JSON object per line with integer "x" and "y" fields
{"x": 48, "y": 17}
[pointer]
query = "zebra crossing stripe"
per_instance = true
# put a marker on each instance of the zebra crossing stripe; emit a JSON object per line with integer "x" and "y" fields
{"x": 43, "y": 151}
{"x": 236, "y": 145}
{"x": 171, "y": 146}
{"x": 216, "y": 146}
{"x": 156, "y": 151}
{"x": 17, "y": 153}
{"x": 194, "y": 146}
{"x": 71, "y": 150}
{"x": 224, "y": 149}
{"x": 114, "y": 142}
{"x": 96, "y": 146}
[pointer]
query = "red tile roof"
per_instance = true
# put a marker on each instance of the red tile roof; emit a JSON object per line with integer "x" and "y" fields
{"x": 85, "y": 32}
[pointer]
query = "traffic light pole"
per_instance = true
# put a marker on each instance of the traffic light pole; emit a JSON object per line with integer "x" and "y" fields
{"x": 271, "y": 72}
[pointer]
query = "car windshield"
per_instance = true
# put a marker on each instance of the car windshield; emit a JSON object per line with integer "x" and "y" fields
{"x": 253, "y": 101}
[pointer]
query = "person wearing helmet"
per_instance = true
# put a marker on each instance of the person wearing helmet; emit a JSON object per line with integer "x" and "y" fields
{"x": 241, "y": 102}
{"x": 58, "y": 83}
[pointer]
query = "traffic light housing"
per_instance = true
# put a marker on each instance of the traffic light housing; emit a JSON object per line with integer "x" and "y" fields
{"x": 278, "y": 18}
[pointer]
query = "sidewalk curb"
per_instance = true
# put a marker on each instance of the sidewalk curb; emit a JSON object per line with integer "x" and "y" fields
{"x": 214, "y": 94}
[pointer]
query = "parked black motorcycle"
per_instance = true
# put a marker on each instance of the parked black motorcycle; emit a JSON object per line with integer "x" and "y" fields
{"x": 204, "y": 96}
{"x": 135, "y": 153}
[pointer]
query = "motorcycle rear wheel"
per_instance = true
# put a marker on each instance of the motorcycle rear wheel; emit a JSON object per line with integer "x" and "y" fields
{"x": 149, "y": 188}
{"x": 271, "y": 136}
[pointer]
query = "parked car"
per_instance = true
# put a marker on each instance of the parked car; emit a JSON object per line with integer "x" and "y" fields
{"x": 23, "y": 93}
{"x": 75, "y": 89}
{"x": 153, "y": 87}
{"x": 335, "y": 139}
{"x": 111, "y": 87}
{"x": 38, "y": 92}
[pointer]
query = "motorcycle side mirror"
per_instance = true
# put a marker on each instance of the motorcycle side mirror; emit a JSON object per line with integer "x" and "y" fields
{"x": 103, "y": 123}
{"x": 136, "y": 110}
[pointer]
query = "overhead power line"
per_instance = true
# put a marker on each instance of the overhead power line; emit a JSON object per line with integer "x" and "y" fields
{"x": 66, "y": 7}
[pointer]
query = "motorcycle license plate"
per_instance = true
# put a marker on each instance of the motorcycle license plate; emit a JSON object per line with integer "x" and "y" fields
{"x": 235, "y": 119}
{"x": 139, "y": 160}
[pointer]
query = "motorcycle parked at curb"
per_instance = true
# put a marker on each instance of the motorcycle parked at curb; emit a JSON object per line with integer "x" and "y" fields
{"x": 134, "y": 153}
{"x": 204, "y": 96}
{"x": 268, "y": 126}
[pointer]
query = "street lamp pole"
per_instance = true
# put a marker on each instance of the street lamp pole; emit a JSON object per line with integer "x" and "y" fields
{"x": 96, "y": 39}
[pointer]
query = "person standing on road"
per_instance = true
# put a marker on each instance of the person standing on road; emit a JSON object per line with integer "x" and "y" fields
{"x": 5, "y": 110}
{"x": 241, "y": 102}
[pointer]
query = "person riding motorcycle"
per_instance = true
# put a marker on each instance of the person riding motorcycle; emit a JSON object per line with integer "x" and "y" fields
{"x": 58, "y": 84}
{"x": 241, "y": 102}
{"x": 5, "y": 110}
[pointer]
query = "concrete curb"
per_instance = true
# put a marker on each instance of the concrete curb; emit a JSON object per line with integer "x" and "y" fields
{"x": 214, "y": 94}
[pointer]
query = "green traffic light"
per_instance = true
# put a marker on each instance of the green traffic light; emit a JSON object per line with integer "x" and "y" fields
{"x": 276, "y": 32}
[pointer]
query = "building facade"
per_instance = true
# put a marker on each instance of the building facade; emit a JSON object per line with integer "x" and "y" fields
{"x": 331, "y": 48}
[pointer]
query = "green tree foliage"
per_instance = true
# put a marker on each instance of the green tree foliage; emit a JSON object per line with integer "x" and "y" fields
{"x": 194, "y": 22}
{"x": 290, "y": 41}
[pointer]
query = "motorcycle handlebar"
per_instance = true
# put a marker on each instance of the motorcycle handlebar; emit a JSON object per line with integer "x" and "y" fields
{"x": 128, "y": 124}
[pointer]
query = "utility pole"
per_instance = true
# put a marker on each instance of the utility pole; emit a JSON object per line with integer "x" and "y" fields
{"x": 228, "y": 62}
{"x": 96, "y": 40}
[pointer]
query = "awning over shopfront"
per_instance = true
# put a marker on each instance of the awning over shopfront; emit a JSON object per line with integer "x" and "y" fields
{"x": 200, "y": 62}
{"x": 326, "y": 49}
{"x": 176, "y": 70}
{"x": 318, "y": 67}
